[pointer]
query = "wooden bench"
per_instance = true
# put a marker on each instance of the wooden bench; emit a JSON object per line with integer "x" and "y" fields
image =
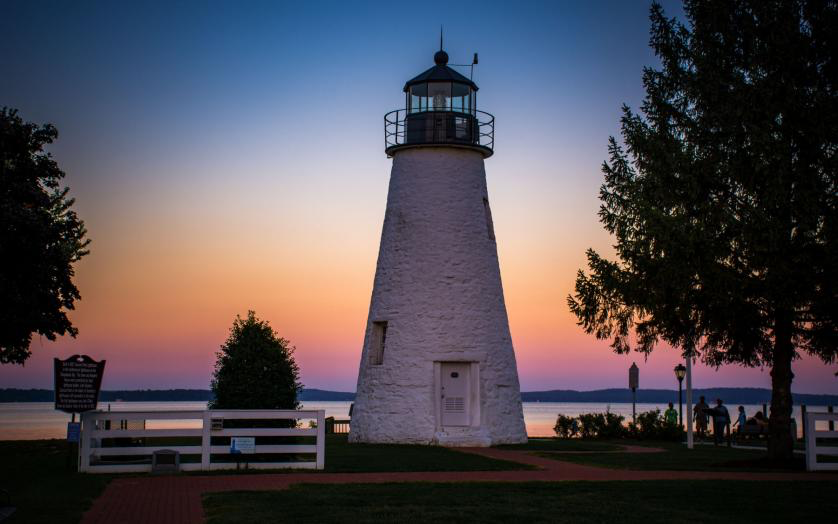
{"x": 334, "y": 426}
{"x": 751, "y": 431}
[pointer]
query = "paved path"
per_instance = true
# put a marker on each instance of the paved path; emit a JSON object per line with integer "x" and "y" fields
{"x": 177, "y": 499}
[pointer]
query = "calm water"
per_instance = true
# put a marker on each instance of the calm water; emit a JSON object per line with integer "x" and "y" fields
{"x": 36, "y": 420}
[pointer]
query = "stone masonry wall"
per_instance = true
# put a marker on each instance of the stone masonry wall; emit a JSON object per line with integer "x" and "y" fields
{"x": 438, "y": 285}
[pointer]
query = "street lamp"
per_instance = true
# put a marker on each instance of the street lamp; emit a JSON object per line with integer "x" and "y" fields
{"x": 680, "y": 373}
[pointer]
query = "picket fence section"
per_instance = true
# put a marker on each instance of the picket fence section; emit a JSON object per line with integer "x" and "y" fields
{"x": 126, "y": 432}
{"x": 815, "y": 450}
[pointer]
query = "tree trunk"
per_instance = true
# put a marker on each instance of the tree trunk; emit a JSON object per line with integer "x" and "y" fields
{"x": 780, "y": 441}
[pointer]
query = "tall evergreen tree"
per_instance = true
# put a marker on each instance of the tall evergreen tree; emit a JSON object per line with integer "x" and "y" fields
{"x": 255, "y": 369}
{"x": 722, "y": 197}
{"x": 41, "y": 238}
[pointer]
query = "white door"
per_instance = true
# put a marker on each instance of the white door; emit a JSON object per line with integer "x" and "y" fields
{"x": 455, "y": 395}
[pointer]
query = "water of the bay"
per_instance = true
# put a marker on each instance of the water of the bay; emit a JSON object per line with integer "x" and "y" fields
{"x": 38, "y": 420}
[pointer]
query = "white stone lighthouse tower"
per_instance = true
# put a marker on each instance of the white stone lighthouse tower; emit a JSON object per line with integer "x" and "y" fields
{"x": 438, "y": 365}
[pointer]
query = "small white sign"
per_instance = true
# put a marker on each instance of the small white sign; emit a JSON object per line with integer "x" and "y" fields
{"x": 243, "y": 445}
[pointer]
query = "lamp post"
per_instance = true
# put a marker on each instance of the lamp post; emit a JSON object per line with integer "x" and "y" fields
{"x": 680, "y": 373}
{"x": 690, "y": 401}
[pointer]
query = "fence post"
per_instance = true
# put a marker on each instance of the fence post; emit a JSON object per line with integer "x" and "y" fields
{"x": 811, "y": 457}
{"x": 206, "y": 440}
{"x": 84, "y": 449}
{"x": 321, "y": 439}
{"x": 831, "y": 423}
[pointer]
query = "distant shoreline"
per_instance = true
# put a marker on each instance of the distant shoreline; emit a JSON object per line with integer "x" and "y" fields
{"x": 644, "y": 396}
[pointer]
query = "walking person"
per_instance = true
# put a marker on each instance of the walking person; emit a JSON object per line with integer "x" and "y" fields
{"x": 721, "y": 420}
{"x": 741, "y": 420}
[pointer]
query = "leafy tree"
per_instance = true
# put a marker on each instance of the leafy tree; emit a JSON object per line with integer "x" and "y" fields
{"x": 723, "y": 198}
{"x": 255, "y": 369}
{"x": 41, "y": 238}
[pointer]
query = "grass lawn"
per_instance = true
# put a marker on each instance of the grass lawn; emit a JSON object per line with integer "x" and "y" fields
{"x": 678, "y": 457}
{"x": 355, "y": 458}
{"x": 620, "y": 502}
{"x": 41, "y": 485}
{"x": 45, "y": 490}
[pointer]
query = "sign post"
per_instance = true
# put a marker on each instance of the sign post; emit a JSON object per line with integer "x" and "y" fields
{"x": 242, "y": 446}
{"x": 77, "y": 383}
{"x": 634, "y": 379}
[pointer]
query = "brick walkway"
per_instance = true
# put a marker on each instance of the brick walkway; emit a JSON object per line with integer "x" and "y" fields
{"x": 177, "y": 499}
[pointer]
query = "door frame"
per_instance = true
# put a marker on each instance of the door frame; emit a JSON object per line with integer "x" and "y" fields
{"x": 474, "y": 393}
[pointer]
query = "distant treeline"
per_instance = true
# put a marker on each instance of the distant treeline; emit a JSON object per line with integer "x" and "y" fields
{"x": 660, "y": 396}
{"x": 644, "y": 396}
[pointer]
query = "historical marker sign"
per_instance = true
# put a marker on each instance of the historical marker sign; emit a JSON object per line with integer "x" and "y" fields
{"x": 77, "y": 383}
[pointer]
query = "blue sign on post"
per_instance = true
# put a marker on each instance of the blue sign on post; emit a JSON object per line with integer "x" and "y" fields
{"x": 73, "y": 431}
{"x": 242, "y": 445}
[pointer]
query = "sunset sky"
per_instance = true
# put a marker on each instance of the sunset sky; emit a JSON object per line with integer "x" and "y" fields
{"x": 229, "y": 156}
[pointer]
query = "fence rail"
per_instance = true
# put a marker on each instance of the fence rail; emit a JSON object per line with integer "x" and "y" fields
{"x": 106, "y": 450}
{"x": 815, "y": 450}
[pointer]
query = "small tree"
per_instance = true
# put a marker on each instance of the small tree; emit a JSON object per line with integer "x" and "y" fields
{"x": 255, "y": 369}
{"x": 723, "y": 200}
{"x": 40, "y": 239}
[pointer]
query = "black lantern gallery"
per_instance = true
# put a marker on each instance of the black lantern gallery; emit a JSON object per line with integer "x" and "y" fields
{"x": 440, "y": 108}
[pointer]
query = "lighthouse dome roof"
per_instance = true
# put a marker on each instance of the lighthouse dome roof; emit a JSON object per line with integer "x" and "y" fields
{"x": 440, "y": 73}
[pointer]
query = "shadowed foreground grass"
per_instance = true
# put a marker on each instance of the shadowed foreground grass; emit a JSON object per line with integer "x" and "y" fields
{"x": 41, "y": 484}
{"x": 359, "y": 458}
{"x": 44, "y": 489}
{"x": 677, "y": 457}
{"x": 620, "y": 502}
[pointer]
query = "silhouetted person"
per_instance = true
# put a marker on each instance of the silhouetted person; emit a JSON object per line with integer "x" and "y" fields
{"x": 721, "y": 419}
{"x": 671, "y": 416}
{"x": 741, "y": 419}
{"x": 700, "y": 416}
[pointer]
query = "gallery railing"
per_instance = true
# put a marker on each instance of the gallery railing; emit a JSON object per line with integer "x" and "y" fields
{"x": 407, "y": 129}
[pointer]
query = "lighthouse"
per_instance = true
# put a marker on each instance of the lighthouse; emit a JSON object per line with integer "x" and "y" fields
{"x": 438, "y": 366}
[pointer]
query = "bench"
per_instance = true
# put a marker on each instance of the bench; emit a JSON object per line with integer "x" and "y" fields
{"x": 334, "y": 426}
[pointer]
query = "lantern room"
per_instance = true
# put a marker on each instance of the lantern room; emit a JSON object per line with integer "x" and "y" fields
{"x": 440, "y": 88}
{"x": 440, "y": 109}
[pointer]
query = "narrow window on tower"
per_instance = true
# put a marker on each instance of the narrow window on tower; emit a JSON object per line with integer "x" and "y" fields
{"x": 377, "y": 342}
{"x": 489, "y": 227}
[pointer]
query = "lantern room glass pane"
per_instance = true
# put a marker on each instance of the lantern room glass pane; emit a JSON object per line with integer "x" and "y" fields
{"x": 460, "y": 97}
{"x": 439, "y": 94}
{"x": 418, "y": 98}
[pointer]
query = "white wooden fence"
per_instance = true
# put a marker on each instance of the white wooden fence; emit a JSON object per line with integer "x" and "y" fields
{"x": 813, "y": 450}
{"x": 203, "y": 426}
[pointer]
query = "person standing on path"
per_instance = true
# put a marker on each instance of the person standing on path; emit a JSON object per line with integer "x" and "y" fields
{"x": 721, "y": 420}
{"x": 671, "y": 416}
{"x": 700, "y": 416}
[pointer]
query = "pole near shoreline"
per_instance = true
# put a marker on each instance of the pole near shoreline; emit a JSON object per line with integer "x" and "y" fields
{"x": 634, "y": 382}
{"x": 689, "y": 401}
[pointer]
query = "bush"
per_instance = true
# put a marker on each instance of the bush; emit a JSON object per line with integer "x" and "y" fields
{"x": 612, "y": 426}
{"x": 652, "y": 426}
{"x": 590, "y": 424}
{"x": 564, "y": 427}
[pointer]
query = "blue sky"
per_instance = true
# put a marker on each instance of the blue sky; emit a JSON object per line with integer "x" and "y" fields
{"x": 229, "y": 156}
